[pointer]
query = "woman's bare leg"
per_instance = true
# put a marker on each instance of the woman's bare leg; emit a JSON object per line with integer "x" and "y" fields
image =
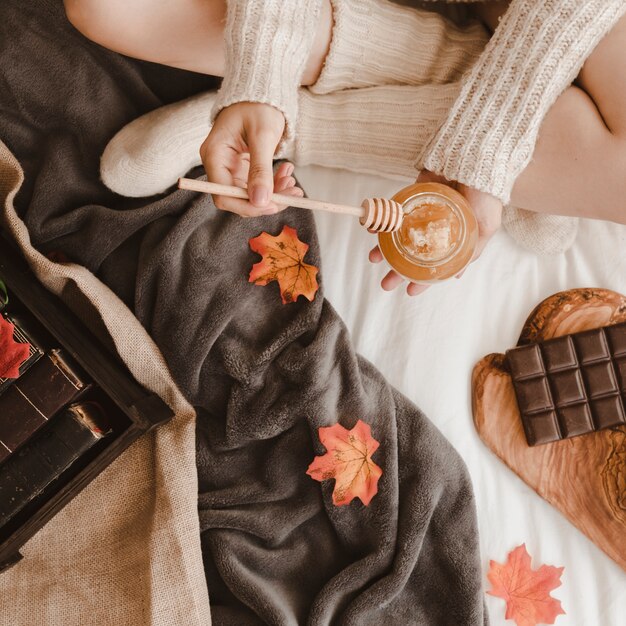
{"x": 578, "y": 165}
{"x": 188, "y": 34}
{"x": 579, "y": 162}
{"x": 603, "y": 77}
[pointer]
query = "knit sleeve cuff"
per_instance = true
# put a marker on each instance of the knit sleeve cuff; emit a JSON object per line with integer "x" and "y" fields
{"x": 536, "y": 51}
{"x": 267, "y": 45}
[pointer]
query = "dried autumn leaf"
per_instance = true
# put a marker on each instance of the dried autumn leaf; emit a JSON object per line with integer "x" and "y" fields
{"x": 527, "y": 592}
{"x": 283, "y": 261}
{"x": 12, "y": 354}
{"x": 349, "y": 461}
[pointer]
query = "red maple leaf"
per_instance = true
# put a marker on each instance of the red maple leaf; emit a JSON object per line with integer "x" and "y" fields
{"x": 527, "y": 592}
{"x": 12, "y": 354}
{"x": 283, "y": 261}
{"x": 349, "y": 461}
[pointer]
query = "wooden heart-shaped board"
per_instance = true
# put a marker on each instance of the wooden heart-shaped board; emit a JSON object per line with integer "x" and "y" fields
{"x": 583, "y": 477}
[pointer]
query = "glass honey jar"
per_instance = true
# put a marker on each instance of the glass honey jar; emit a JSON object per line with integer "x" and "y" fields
{"x": 437, "y": 237}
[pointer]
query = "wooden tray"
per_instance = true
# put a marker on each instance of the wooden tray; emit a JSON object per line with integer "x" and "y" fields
{"x": 583, "y": 477}
{"x": 138, "y": 409}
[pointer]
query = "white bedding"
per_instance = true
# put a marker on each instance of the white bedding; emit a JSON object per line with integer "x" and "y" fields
{"x": 426, "y": 346}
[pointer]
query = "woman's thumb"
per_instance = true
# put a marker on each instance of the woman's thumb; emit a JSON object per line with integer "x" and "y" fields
{"x": 260, "y": 177}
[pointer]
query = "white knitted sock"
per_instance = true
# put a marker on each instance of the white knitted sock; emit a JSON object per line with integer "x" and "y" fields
{"x": 376, "y": 42}
{"x": 150, "y": 153}
{"x": 546, "y": 235}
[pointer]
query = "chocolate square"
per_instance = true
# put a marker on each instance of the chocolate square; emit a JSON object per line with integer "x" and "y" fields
{"x": 568, "y": 388}
{"x": 559, "y": 354}
{"x": 525, "y": 362}
{"x": 591, "y": 346}
{"x": 600, "y": 380}
{"x": 534, "y": 395}
{"x": 617, "y": 339}
{"x": 608, "y": 412}
{"x": 575, "y": 420}
{"x": 620, "y": 367}
{"x": 542, "y": 428}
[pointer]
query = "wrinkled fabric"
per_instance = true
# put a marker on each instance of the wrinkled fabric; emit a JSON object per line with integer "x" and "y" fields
{"x": 262, "y": 376}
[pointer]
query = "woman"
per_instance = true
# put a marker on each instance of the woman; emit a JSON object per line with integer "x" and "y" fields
{"x": 535, "y": 116}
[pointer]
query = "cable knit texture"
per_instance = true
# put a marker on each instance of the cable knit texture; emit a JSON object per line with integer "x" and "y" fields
{"x": 374, "y": 130}
{"x": 535, "y": 53}
{"x": 267, "y": 46}
{"x": 375, "y": 42}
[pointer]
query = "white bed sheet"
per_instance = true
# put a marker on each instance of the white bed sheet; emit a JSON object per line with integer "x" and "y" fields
{"x": 426, "y": 347}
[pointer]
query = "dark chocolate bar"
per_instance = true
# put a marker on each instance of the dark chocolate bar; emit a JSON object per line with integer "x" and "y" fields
{"x": 35, "y": 397}
{"x": 571, "y": 385}
{"x": 48, "y": 454}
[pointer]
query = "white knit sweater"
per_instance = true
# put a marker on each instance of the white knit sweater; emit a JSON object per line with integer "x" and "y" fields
{"x": 490, "y": 132}
{"x": 536, "y": 51}
{"x": 267, "y": 46}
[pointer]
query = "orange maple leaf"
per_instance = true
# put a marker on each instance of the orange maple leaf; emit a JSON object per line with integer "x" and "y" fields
{"x": 12, "y": 354}
{"x": 527, "y": 592}
{"x": 349, "y": 461}
{"x": 283, "y": 261}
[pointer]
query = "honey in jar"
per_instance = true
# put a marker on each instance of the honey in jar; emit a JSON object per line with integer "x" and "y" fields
{"x": 437, "y": 237}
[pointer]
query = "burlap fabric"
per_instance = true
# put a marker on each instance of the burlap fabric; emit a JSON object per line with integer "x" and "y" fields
{"x": 126, "y": 550}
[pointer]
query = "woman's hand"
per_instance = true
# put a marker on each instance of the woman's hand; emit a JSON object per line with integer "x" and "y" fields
{"x": 239, "y": 151}
{"x": 488, "y": 212}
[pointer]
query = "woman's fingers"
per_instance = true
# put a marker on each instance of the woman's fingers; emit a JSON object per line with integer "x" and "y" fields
{"x": 286, "y": 168}
{"x": 228, "y": 167}
{"x": 285, "y": 184}
{"x": 391, "y": 281}
{"x": 375, "y": 256}
{"x": 413, "y": 289}
{"x": 225, "y": 166}
{"x": 281, "y": 184}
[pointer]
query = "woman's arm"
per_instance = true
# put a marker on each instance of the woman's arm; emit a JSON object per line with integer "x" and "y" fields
{"x": 267, "y": 46}
{"x": 536, "y": 51}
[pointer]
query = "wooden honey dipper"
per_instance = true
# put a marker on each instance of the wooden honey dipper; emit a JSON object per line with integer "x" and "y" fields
{"x": 377, "y": 214}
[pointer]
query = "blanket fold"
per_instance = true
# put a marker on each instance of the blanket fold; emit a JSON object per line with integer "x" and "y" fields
{"x": 261, "y": 376}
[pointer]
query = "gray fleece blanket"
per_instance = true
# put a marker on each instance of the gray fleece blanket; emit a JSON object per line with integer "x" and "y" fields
{"x": 263, "y": 376}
